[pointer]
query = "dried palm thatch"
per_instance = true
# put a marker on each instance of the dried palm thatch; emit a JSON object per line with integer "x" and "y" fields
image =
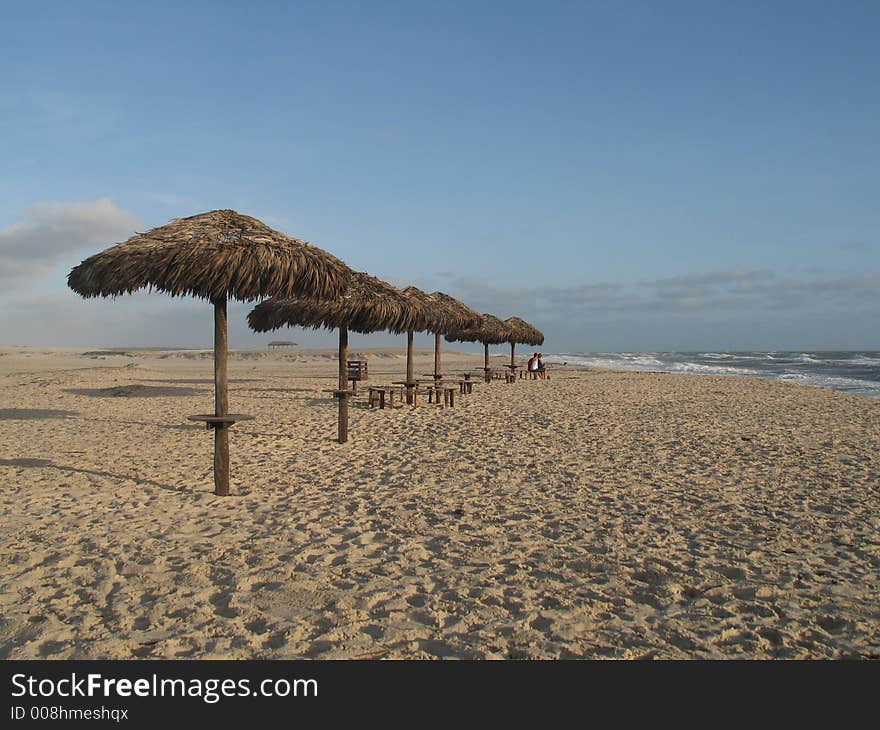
{"x": 439, "y": 313}
{"x": 213, "y": 256}
{"x": 216, "y": 255}
{"x": 456, "y": 313}
{"x": 367, "y": 305}
{"x": 520, "y": 331}
{"x": 492, "y": 331}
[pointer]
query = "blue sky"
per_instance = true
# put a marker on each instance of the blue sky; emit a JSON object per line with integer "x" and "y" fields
{"x": 625, "y": 175}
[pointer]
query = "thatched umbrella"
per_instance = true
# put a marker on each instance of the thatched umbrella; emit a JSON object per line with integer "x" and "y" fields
{"x": 520, "y": 331}
{"x": 456, "y": 315}
{"x": 367, "y": 305}
{"x": 492, "y": 331}
{"x": 422, "y": 303}
{"x": 214, "y": 256}
{"x": 438, "y": 313}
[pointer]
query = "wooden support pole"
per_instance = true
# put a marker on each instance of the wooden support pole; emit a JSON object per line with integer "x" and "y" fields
{"x": 486, "y": 362}
{"x": 512, "y": 346}
{"x": 342, "y": 435}
{"x": 410, "y": 374}
{"x": 221, "y": 400}
{"x": 437, "y": 372}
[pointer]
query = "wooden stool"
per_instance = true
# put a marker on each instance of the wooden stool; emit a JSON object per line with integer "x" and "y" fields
{"x": 381, "y": 392}
{"x": 449, "y": 396}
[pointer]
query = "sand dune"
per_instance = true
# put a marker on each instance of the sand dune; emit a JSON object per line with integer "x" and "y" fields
{"x": 597, "y": 514}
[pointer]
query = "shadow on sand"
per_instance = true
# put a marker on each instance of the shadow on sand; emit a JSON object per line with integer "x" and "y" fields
{"x": 49, "y": 464}
{"x": 197, "y": 381}
{"x": 33, "y": 414}
{"x": 137, "y": 391}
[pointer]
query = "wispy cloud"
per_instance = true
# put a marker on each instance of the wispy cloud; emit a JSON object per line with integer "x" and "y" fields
{"x": 854, "y": 247}
{"x": 735, "y": 278}
{"x": 51, "y": 231}
{"x": 707, "y": 293}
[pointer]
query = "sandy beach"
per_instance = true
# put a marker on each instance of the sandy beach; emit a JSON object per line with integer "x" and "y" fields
{"x": 594, "y": 515}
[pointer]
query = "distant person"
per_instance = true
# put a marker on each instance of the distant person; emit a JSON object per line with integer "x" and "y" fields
{"x": 539, "y": 366}
{"x": 532, "y": 365}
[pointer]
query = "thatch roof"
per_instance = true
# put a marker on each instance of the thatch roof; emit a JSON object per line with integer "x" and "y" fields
{"x": 212, "y": 255}
{"x": 458, "y": 314}
{"x": 368, "y": 305}
{"x": 521, "y": 332}
{"x": 439, "y": 312}
{"x": 492, "y": 331}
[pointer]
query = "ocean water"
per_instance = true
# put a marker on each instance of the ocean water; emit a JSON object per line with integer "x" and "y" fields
{"x": 851, "y": 372}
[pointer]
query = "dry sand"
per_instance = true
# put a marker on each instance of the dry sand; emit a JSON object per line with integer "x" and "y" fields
{"x": 595, "y": 515}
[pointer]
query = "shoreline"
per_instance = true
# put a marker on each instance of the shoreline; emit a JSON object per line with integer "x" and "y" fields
{"x": 858, "y": 373}
{"x": 298, "y": 354}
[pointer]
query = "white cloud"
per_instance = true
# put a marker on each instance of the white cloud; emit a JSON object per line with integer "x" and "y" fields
{"x": 731, "y": 278}
{"x": 50, "y": 232}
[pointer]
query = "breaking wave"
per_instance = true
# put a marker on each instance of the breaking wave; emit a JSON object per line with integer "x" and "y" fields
{"x": 850, "y": 372}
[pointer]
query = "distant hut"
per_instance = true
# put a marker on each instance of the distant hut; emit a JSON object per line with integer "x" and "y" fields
{"x": 367, "y": 305}
{"x": 521, "y": 332}
{"x": 215, "y": 256}
{"x": 492, "y": 331}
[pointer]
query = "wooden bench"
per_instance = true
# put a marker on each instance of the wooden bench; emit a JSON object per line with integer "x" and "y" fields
{"x": 416, "y": 391}
{"x": 407, "y": 387}
{"x": 448, "y": 392}
{"x": 378, "y": 393}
